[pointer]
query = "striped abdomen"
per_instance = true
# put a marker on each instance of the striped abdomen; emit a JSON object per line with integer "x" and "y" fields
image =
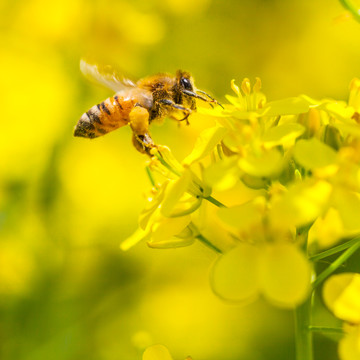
{"x": 107, "y": 116}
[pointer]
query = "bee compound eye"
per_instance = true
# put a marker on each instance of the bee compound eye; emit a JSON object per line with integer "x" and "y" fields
{"x": 186, "y": 83}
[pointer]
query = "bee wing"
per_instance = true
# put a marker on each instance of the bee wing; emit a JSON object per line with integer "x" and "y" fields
{"x": 106, "y": 76}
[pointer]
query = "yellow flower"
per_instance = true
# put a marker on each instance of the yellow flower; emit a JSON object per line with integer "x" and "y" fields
{"x": 349, "y": 345}
{"x": 279, "y": 271}
{"x": 341, "y": 294}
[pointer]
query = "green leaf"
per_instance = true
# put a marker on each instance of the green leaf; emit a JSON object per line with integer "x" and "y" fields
{"x": 313, "y": 154}
{"x": 284, "y": 133}
{"x": 205, "y": 143}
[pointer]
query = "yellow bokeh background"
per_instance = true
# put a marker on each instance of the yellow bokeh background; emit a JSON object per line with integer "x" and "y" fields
{"x": 66, "y": 290}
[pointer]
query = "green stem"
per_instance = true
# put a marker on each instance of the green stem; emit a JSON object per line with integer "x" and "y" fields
{"x": 163, "y": 162}
{"x": 214, "y": 201}
{"x": 354, "y": 10}
{"x": 303, "y": 336}
{"x": 335, "y": 249}
{"x": 208, "y": 244}
{"x": 326, "y": 329}
{"x": 150, "y": 175}
{"x": 338, "y": 262}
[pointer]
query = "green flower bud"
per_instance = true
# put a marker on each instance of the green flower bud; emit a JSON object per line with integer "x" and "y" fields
{"x": 332, "y": 137}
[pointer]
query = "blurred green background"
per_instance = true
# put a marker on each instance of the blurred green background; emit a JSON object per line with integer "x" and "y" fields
{"x": 66, "y": 290}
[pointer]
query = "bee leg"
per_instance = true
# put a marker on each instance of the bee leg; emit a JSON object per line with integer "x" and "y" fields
{"x": 197, "y": 96}
{"x": 143, "y": 143}
{"x": 185, "y": 110}
{"x": 139, "y": 123}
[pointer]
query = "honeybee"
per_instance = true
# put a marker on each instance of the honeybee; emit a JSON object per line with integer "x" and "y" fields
{"x": 151, "y": 99}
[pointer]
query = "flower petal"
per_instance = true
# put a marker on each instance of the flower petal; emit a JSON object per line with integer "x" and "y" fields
{"x": 166, "y": 228}
{"x": 303, "y": 203}
{"x": 245, "y": 216}
{"x": 175, "y": 190}
{"x": 341, "y": 294}
{"x": 266, "y": 164}
{"x": 171, "y": 243}
{"x": 348, "y": 205}
{"x": 223, "y": 174}
{"x": 151, "y": 206}
{"x": 290, "y": 106}
{"x": 328, "y": 230}
{"x": 349, "y": 345}
{"x": 157, "y": 352}
{"x": 284, "y": 274}
{"x": 136, "y": 237}
{"x": 205, "y": 143}
{"x": 234, "y": 275}
{"x": 281, "y": 134}
{"x": 313, "y": 154}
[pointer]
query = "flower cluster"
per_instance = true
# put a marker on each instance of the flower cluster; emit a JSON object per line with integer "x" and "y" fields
{"x": 268, "y": 187}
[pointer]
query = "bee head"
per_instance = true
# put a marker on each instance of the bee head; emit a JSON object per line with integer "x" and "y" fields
{"x": 185, "y": 81}
{"x": 185, "y": 84}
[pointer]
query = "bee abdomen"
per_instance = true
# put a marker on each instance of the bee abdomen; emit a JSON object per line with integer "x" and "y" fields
{"x": 101, "y": 119}
{"x": 85, "y": 126}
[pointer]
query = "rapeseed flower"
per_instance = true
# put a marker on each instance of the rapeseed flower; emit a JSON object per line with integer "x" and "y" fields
{"x": 289, "y": 162}
{"x": 269, "y": 187}
{"x": 341, "y": 294}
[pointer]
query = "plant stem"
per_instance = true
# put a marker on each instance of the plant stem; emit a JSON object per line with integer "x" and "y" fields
{"x": 326, "y": 329}
{"x": 303, "y": 335}
{"x": 150, "y": 175}
{"x": 164, "y": 163}
{"x": 354, "y": 10}
{"x": 335, "y": 249}
{"x": 214, "y": 201}
{"x": 338, "y": 262}
{"x": 208, "y": 244}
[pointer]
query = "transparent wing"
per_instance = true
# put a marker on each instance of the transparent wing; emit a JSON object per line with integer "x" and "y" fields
{"x": 106, "y": 76}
